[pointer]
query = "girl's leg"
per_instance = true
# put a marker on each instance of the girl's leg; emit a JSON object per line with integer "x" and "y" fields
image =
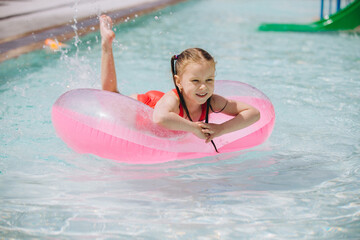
{"x": 108, "y": 73}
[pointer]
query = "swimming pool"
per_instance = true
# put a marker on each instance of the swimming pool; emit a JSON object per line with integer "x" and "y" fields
{"x": 302, "y": 183}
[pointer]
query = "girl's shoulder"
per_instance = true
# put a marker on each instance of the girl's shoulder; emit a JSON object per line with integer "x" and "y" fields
{"x": 173, "y": 94}
{"x": 218, "y": 103}
{"x": 170, "y": 102}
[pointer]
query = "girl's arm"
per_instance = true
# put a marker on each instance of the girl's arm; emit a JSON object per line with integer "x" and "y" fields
{"x": 108, "y": 73}
{"x": 244, "y": 116}
{"x": 166, "y": 114}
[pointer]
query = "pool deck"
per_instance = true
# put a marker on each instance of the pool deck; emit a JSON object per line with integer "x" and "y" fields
{"x": 24, "y": 25}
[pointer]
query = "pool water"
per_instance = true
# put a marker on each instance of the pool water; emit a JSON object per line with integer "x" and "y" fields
{"x": 303, "y": 183}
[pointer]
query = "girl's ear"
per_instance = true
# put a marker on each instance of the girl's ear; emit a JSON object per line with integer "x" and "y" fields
{"x": 177, "y": 81}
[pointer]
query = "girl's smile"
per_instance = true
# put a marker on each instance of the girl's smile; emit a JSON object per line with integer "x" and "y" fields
{"x": 201, "y": 95}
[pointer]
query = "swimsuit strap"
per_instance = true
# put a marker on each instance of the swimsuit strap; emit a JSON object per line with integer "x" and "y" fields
{"x": 203, "y": 112}
{"x": 203, "y": 108}
{"x": 181, "y": 113}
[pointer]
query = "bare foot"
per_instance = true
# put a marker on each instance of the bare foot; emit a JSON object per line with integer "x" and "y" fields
{"x": 107, "y": 34}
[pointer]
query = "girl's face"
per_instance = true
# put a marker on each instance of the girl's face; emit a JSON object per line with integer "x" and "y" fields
{"x": 196, "y": 82}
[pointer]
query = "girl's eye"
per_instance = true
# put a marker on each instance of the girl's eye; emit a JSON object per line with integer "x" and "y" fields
{"x": 210, "y": 80}
{"x": 195, "y": 81}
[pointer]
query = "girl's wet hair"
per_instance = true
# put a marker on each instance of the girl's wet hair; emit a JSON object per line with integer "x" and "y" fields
{"x": 179, "y": 62}
{"x": 195, "y": 55}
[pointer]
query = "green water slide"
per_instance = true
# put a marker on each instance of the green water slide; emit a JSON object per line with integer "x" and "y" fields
{"x": 346, "y": 19}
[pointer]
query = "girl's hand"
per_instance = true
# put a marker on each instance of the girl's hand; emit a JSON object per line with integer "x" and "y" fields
{"x": 198, "y": 130}
{"x": 207, "y": 131}
{"x": 212, "y": 130}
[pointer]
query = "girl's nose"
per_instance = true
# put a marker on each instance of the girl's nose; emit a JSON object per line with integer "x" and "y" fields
{"x": 202, "y": 86}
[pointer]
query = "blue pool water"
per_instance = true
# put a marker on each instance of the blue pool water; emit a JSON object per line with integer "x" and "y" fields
{"x": 303, "y": 183}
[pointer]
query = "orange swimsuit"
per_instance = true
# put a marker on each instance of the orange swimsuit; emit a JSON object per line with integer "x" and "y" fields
{"x": 152, "y": 97}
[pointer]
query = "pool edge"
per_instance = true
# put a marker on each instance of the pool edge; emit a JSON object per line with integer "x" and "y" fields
{"x": 15, "y": 46}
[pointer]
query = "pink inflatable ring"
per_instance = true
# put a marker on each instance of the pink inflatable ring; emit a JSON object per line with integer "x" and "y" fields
{"x": 114, "y": 126}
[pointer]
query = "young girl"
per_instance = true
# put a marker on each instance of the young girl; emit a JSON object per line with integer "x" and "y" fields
{"x": 185, "y": 107}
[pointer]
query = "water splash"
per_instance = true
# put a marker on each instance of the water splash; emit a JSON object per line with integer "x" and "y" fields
{"x": 77, "y": 40}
